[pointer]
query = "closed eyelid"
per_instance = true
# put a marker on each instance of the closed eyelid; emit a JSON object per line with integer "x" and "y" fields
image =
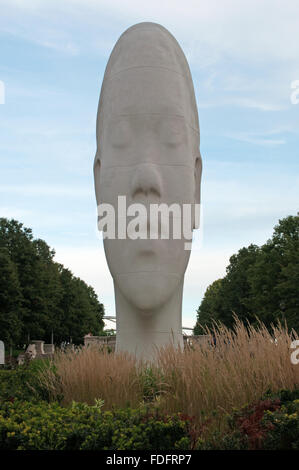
{"x": 172, "y": 134}
{"x": 120, "y": 137}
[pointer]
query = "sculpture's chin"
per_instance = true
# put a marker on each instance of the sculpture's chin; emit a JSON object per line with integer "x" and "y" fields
{"x": 147, "y": 291}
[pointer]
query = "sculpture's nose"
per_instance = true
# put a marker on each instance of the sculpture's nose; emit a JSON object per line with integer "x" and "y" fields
{"x": 146, "y": 181}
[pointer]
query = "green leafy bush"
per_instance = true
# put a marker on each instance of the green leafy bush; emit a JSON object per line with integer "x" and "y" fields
{"x": 152, "y": 383}
{"x": 270, "y": 424}
{"x": 283, "y": 427}
{"x": 23, "y": 383}
{"x": 44, "y": 426}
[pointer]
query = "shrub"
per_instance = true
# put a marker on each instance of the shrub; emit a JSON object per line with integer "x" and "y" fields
{"x": 152, "y": 383}
{"x": 22, "y": 383}
{"x": 270, "y": 424}
{"x": 206, "y": 381}
{"x": 43, "y": 426}
{"x": 283, "y": 426}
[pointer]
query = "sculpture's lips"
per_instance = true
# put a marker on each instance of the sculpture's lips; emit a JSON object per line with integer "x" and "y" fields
{"x": 148, "y": 232}
{"x": 149, "y": 247}
{"x": 148, "y": 252}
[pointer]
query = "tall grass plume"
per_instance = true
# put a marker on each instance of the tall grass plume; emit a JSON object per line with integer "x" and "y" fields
{"x": 232, "y": 368}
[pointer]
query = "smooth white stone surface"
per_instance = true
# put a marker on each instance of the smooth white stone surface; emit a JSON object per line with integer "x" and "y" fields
{"x": 147, "y": 150}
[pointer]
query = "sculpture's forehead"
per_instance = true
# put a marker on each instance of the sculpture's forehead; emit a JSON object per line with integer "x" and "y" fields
{"x": 150, "y": 91}
{"x": 147, "y": 73}
{"x": 145, "y": 47}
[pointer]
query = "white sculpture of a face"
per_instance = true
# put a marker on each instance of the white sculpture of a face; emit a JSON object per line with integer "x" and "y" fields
{"x": 148, "y": 151}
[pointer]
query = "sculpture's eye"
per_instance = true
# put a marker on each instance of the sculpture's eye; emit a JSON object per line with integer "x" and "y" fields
{"x": 119, "y": 134}
{"x": 172, "y": 133}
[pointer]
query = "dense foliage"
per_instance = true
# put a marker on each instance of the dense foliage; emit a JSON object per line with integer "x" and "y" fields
{"x": 39, "y": 296}
{"x": 32, "y": 419}
{"x": 270, "y": 424}
{"x": 44, "y": 426}
{"x": 35, "y": 424}
{"x": 260, "y": 282}
{"x": 22, "y": 383}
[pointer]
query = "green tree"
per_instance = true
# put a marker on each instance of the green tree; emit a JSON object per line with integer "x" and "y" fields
{"x": 51, "y": 299}
{"x": 210, "y": 308}
{"x": 10, "y": 300}
{"x": 274, "y": 278}
{"x": 231, "y": 295}
{"x": 236, "y": 288}
{"x": 260, "y": 282}
{"x": 80, "y": 311}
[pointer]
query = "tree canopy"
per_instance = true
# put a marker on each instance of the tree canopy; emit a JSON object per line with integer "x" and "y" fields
{"x": 261, "y": 283}
{"x": 38, "y": 296}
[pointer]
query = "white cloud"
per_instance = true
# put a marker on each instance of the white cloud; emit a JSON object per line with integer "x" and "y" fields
{"x": 205, "y": 267}
{"x": 264, "y": 138}
{"x": 14, "y": 213}
{"x": 90, "y": 265}
{"x": 47, "y": 190}
{"x": 250, "y": 30}
{"x": 251, "y": 139}
{"x": 223, "y": 41}
{"x": 241, "y": 102}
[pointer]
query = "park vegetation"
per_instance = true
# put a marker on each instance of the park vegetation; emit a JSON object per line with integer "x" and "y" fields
{"x": 236, "y": 388}
{"x": 38, "y": 296}
{"x": 238, "y": 393}
{"x": 261, "y": 283}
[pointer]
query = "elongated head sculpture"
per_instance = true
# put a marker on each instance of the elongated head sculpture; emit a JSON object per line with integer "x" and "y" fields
{"x": 147, "y": 163}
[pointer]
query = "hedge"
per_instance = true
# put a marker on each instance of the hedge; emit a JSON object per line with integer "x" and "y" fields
{"x": 49, "y": 426}
{"x": 270, "y": 424}
{"x": 22, "y": 383}
{"x": 29, "y": 422}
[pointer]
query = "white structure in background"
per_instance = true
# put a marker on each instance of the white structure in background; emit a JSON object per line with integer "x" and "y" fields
{"x": 2, "y": 353}
{"x": 110, "y": 341}
{"x": 36, "y": 349}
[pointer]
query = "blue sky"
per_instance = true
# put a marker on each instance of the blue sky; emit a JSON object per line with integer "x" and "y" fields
{"x": 243, "y": 58}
